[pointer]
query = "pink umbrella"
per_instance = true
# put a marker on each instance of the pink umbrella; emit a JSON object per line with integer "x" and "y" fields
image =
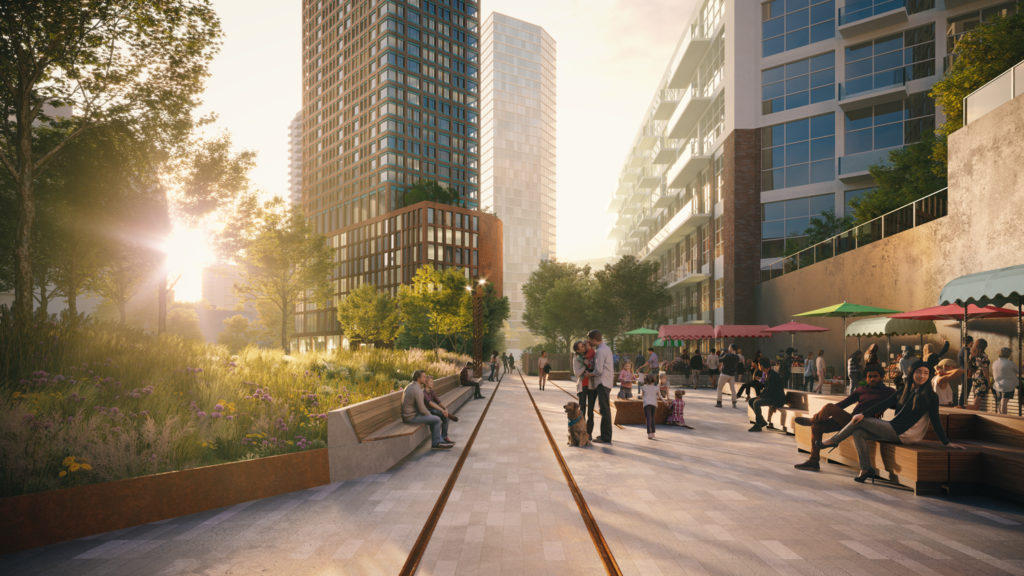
{"x": 793, "y": 328}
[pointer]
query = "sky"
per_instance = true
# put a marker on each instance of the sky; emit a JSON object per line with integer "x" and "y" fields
{"x": 611, "y": 55}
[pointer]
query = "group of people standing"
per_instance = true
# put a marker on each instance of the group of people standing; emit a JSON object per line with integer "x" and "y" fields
{"x": 508, "y": 362}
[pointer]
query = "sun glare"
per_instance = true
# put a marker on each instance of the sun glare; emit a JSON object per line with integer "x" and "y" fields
{"x": 188, "y": 252}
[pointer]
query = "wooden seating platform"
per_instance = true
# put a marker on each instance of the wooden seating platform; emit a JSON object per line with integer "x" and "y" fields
{"x": 370, "y": 437}
{"x": 783, "y": 418}
{"x": 632, "y": 412}
{"x": 992, "y": 459}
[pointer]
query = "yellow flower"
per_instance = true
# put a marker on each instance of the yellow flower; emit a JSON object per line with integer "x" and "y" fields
{"x": 63, "y": 473}
{"x": 86, "y": 466}
{"x": 74, "y": 466}
{"x": 68, "y": 461}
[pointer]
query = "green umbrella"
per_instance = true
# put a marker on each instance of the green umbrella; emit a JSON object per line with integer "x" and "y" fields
{"x": 846, "y": 310}
{"x": 643, "y": 332}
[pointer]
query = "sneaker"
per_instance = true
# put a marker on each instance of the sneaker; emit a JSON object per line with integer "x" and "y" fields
{"x": 803, "y": 421}
{"x": 771, "y": 426}
{"x": 443, "y": 446}
{"x": 755, "y": 428}
{"x": 453, "y": 417}
{"x": 650, "y": 436}
{"x": 810, "y": 465}
{"x": 448, "y": 440}
{"x": 718, "y": 404}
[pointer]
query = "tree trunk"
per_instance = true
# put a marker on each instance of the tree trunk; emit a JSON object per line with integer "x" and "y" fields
{"x": 161, "y": 320}
{"x": 44, "y": 300}
{"x": 71, "y": 292}
{"x": 122, "y": 310}
{"x": 26, "y": 217}
{"x": 284, "y": 331}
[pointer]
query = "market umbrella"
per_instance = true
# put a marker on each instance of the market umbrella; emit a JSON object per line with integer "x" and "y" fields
{"x": 888, "y": 326}
{"x": 793, "y": 328}
{"x": 642, "y": 332}
{"x": 962, "y": 314}
{"x": 997, "y": 288}
{"x": 846, "y": 310}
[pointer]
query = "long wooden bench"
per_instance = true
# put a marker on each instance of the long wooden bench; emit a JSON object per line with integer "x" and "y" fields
{"x": 783, "y": 418}
{"x": 993, "y": 454}
{"x": 370, "y": 437}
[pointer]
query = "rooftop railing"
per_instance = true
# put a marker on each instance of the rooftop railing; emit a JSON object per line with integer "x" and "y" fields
{"x": 904, "y": 218}
{"x": 997, "y": 91}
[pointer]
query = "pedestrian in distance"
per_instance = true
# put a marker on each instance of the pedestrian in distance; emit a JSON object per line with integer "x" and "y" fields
{"x": 543, "y": 368}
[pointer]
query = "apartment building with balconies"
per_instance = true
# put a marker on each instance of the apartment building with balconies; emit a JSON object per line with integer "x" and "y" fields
{"x": 769, "y": 114}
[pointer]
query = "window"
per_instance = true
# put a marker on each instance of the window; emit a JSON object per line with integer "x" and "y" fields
{"x": 784, "y": 223}
{"x": 891, "y": 61}
{"x": 850, "y": 196}
{"x": 719, "y": 293}
{"x": 798, "y": 152}
{"x": 798, "y": 83}
{"x": 960, "y": 25}
{"x": 789, "y": 24}
{"x": 860, "y": 9}
{"x": 890, "y": 124}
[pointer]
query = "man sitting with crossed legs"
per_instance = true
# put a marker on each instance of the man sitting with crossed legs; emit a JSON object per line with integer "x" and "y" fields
{"x": 872, "y": 400}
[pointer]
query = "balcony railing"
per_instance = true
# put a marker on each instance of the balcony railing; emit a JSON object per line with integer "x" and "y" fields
{"x": 904, "y": 218}
{"x": 856, "y": 10}
{"x": 999, "y": 90}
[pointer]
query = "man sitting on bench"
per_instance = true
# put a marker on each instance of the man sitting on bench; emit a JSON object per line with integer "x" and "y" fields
{"x": 774, "y": 395}
{"x": 466, "y": 379}
{"x": 414, "y": 410}
{"x": 872, "y": 400}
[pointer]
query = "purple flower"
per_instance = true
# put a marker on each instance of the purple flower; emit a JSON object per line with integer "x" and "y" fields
{"x": 215, "y": 415}
{"x": 218, "y": 407}
{"x": 201, "y": 414}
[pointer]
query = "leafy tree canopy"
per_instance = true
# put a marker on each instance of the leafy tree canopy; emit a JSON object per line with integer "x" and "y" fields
{"x": 430, "y": 190}
{"x": 629, "y": 295}
{"x": 826, "y": 226}
{"x": 368, "y": 315}
{"x": 912, "y": 173}
{"x": 558, "y": 299}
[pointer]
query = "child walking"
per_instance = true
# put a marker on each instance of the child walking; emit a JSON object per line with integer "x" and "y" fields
{"x": 678, "y": 406}
{"x": 626, "y": 381}
{"x": 651, "y": 394}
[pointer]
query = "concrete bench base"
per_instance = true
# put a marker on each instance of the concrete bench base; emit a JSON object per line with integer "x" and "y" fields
{"x": 350, "y": 458}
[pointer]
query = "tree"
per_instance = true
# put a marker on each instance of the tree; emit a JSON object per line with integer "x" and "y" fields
{"x": 629, "y": 295}
{"x": 237, "y": 333}
{"x": 912, "y": 173}
{"x": 283, "y": 261}
{"x": 436, "y": 310}
{"x": 826, "y": 226}
{"x": 559, "y": 300}
{"x": 368, "y": 315}
{"x": 184, "y": 321}
{"x": 139, "y": 62}
{"x": 979, "y": 56}
{"x": 119, "y": 280}
{"x": 430, "y": 190}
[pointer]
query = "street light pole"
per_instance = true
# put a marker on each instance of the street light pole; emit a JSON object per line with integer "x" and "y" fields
{"x": 478, "y": 328}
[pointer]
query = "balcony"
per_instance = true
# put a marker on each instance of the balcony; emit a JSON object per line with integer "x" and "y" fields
{"x": 855, "y": 166}
{"x": 667, "y": 102}
{"x": 650, "y": 180}
{"x": 687, "y": 113}
{"x": 685, "y": 275}
{"x": 887, "y": 86}
{"x": 617, "y": 201}
{"x": 663, "y": 197}
{"x": 687, "y": 57}
{"x": 665, "y": 151}
{"x": 860, "y": 16}
{"x": 648, "y": 138}
{"x": 684, "y": 222}
{"x": 692, "y": 159}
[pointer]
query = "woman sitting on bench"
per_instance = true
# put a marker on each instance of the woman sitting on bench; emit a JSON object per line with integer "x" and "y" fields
{"x": 919, "y": 406}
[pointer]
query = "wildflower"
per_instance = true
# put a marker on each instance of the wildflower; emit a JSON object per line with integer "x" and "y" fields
{"x": 201, "y": 414}
{"x": 219, "y": 408}
{"x": 214, "y": 414}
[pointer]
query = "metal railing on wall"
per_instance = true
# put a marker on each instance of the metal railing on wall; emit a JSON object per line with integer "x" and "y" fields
{"x": 921, "y": 211}
{"x": 997, "y": 91}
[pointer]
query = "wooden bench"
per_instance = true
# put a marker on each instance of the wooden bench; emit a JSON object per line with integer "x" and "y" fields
{"x": 632, "y": 412}
{"x": 370, "y": 437}
{"x": 784, "y": 418}
{"x": 993, "y": 455}
{"x": 560, "y": 375}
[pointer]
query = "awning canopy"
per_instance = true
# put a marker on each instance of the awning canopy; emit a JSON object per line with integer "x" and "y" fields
{"x": 995, "y": 287}
{"x": 956, "y": 312}
{"x": 742, "y": 331}
{"x": 793, "y": 327}
{"x": 641, "y": 332}
{"x": 886, "y": 326}
{"x": 686, "y": 332}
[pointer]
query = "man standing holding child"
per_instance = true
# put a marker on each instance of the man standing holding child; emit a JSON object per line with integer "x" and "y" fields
{"x": 601, "y": 386}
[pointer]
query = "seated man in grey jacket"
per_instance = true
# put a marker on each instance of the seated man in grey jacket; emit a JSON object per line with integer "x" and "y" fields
{"x": 414, "y": 411}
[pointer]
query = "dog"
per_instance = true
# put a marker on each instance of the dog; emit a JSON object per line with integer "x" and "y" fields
{"x": 578, "y": 435}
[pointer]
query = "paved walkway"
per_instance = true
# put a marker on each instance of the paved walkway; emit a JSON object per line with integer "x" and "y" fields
{"x": 716, "y": 500}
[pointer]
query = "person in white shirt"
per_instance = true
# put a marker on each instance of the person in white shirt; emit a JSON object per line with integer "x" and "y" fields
{"x": 601, "y": 385}
{"x": 1004, "y": 372}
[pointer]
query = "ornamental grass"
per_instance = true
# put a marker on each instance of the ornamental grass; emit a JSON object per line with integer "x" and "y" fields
{"x": 97, "y": 403}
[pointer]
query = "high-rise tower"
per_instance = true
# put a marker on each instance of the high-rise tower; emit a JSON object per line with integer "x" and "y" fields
{"x": 391, "y": 98}
{"x": 518, "y": 151}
